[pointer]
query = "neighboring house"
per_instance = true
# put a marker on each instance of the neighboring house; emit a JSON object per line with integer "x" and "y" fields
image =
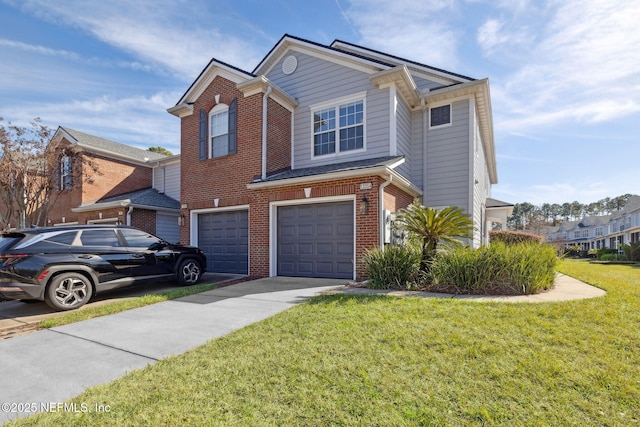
{"x": 604, "y": 231}
{"x": 294, "y": 168}
{"x": 120, "y": 185}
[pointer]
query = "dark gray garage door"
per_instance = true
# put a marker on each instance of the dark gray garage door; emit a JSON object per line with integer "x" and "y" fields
{"x": 224, "y": 238}
{"x": 316, "y": 240}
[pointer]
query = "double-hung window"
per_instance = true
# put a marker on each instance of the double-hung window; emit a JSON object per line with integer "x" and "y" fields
{"x": 219, "y": 131}
{"x": 338, "y": 128}
{"x": 66, "y": 172}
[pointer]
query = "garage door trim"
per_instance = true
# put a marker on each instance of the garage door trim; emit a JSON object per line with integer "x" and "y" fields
{"x": 273, "y": 225}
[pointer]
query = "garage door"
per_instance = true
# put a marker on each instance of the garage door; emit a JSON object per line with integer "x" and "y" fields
{"x": 316, "y": 240}
{"x": 224, "y": 238}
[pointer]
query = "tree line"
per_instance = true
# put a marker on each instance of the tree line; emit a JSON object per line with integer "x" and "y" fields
{"x": 527, "y": 216}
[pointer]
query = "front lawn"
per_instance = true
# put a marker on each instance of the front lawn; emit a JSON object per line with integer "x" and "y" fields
{"x": 376, "y": 360}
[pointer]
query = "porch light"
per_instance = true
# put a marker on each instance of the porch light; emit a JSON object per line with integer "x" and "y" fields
{"x": 363, "y": 207}
{"x": 181, "y": 220}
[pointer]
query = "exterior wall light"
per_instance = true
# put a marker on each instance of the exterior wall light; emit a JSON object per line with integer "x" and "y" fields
{"x": 363, "y": 207}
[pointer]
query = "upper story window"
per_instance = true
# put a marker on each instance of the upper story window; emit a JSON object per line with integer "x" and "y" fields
{"x": 338, "y": 128}
{"x": 217, "y": 131}
{"x": 66, "y": 172}
{"x": 440, "y": 116}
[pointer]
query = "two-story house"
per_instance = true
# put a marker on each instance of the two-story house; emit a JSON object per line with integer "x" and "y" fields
{"x": 118, "y": 184}
{"x": 293, "y": 168}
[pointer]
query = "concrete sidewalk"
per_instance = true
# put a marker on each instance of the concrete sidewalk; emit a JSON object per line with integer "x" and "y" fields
{"x": 565, "y": 288}
{"x": 51, "y": 366}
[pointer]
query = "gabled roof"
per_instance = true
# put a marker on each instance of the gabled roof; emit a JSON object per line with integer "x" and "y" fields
{"x": 360, "y": 56}
{"x": 148, "y": 198}
{"x": 106, "y": 147}
{"x": 215, "y": 67}
{"x": 395, "y": 60}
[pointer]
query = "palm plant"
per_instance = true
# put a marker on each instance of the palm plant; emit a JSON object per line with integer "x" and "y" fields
{"x": 432, "y": 227}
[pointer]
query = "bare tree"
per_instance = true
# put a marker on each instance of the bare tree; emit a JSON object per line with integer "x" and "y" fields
{"x": 32, "y": 173}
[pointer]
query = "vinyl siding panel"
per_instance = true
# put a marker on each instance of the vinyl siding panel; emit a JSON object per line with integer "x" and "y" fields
{"x": 417, "y": 148}
{"x": 317, "y": 80}
{"x": 425, "y": 84}
{"x": 447, "y": 175}
{"x": 403, "y": 130}
{"x": 166, "y": 179}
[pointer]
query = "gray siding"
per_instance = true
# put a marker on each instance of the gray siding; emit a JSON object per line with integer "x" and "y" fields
{"x": 424, "y": 84}
{"x": 447, "y": 175}
{"x": 316, "y": 80}
{"x": 167, "y": 227}
{"x": 166, "y": 179}
{"x": 417, "y": 148}
{"x": 403, "y": 137}
{"x": 482, "y": 189}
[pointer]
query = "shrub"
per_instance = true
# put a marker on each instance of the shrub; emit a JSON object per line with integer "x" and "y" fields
{"x": 513, "y": 237}
{"x": 632, "y": 251}
{"x": 396, "y": 267}
{"x": 611, "y": 257}
{"x": 500, "y": 268}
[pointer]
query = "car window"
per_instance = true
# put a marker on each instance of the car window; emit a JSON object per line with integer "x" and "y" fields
{"x": 99, "y": 238}
{"x": 63, "y": 238}
{"x": 139, "y": 239}
{"x": 8, "y": 240}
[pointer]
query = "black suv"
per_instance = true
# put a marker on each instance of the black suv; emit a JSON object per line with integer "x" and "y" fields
{"x": 65, "y": 266}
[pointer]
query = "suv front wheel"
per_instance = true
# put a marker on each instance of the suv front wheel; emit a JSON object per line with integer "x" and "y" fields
{"x": 68, "y": 291}
{"x": 189, "y": 272}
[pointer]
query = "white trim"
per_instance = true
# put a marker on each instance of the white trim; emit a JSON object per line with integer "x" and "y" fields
{"x": 218, "y": 109}
{"x": 273, "y": 225}
{"x": 193, "y": 220}
{"x": 393, "y": 120}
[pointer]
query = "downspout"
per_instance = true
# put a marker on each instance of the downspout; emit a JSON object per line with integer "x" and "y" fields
{"x": 381, "y": 209}
{"x": 425, "y": 130}
{"x": 129, "y": 215}
{"x": 265, "y": 98}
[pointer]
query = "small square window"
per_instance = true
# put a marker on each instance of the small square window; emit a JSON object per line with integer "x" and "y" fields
{"x": 441, "y": 115}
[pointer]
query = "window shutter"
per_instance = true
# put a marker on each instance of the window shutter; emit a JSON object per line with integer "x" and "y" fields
{"x": 202, "y": 136}
{"x": 233, "y": 116}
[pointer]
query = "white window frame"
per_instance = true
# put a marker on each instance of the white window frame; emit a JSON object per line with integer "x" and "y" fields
{"x": 336, "y": 104}
{"x": 443, "y": 125}
{"x": 218, "y": 109}
{"x": 66, "y": 172}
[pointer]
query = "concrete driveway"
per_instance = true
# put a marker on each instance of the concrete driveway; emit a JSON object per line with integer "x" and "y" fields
{"x": 17, "y": 317}
{"x": 47, "y": 367}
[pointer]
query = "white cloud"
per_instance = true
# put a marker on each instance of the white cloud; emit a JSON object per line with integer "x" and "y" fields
{"x": 43, "y": 50}
{"x": 174, "y": 35}
{"x": 139, "y": 121}
{"x": 413, "y": 30}
{"x": 582, "y": 70}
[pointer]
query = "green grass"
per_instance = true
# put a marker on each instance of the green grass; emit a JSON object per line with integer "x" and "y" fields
{"x": 376, "y": 360}
{"x": 89, "y": 312}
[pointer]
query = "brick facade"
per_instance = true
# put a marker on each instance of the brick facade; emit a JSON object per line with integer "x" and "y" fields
{"x": 226, "y": 178}
{"x": 99, "y": 177}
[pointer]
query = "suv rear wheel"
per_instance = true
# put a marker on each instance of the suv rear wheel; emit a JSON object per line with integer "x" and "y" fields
{"x": 68, "y": 291}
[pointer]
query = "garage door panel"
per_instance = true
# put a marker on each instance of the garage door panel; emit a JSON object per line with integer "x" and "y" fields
{"x": 223, "y": 237}
{"x": 321, "y": 237}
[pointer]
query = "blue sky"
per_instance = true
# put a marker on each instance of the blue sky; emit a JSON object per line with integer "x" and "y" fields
{"x": 564, "y": 75}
